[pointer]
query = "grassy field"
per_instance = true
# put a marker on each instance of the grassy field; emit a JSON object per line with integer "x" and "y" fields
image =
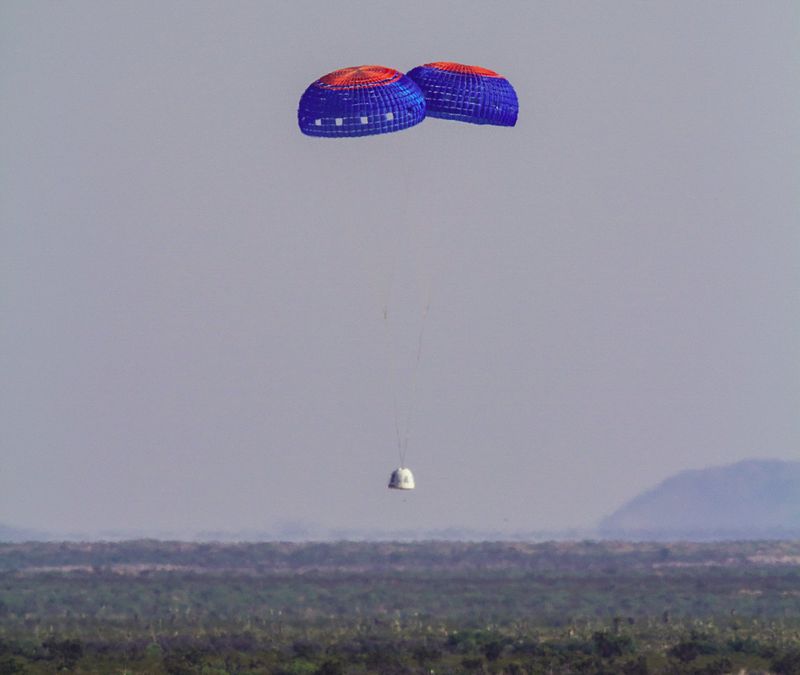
{"x": 442, "y": 607}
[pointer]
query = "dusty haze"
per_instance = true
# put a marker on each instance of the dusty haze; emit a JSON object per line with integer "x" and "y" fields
{"x": 190, "y": 333}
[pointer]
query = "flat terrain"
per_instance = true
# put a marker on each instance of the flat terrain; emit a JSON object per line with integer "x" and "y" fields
{"x": 443, "y": 607}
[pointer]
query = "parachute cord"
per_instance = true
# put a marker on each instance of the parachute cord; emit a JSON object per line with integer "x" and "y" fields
{"x": 414, "y": 378}
{"x": 392, "y": 356}
{"x": 402, "y": 444}
{"x": 391, "y": 345}
{"x": 393, "y": 380}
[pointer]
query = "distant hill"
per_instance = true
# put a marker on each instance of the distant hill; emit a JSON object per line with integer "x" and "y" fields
{"x": 753, "y": 499}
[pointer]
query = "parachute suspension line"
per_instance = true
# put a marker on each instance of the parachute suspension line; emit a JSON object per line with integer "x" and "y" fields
{"x": 425, "y": 285}
{"x": 414, "y": 378}
{"x": 392, "y": 369}
{"x": 391, "y": 345}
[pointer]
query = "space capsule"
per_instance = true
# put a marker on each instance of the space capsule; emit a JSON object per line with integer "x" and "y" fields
{"x": 401, "y": 479}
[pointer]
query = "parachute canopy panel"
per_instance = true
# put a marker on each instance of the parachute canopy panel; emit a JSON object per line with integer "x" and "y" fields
{"x": 401, "y": 479}
{"x": 466, "y": 93}
{"x": 360, "y": 101}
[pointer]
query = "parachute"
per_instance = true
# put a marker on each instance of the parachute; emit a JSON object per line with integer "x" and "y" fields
{"x": 466, "y": 93}
{"x": 360, "y": 101}
{"x": 370, "y": 99}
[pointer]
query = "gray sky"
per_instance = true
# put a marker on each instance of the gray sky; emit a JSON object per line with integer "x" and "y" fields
{"x": 191, "y": 332}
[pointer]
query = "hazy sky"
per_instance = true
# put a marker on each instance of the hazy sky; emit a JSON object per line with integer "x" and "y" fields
{"x": 191, "y": 325}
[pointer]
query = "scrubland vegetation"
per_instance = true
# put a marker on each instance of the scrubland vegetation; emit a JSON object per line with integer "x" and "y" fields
{"x": 441, "y": 607}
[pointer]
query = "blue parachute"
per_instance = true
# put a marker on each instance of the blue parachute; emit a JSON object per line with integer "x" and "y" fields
{"x": 466, "y": 93}
{"x": 360, "y": 101}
